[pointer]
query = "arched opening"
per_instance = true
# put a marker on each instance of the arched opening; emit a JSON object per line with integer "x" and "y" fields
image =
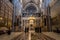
{"x": 31, "y": 9}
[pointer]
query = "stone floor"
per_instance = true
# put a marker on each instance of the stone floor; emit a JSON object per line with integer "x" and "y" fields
{"x": 40, "y": 36}
{"x": 9, "y": 37}
{"x": 23, "y": 36}
{"x": 34, "y": 36}
{"x": 53, "y": 35}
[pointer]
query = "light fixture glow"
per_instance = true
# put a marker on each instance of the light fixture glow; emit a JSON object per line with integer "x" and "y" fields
{"x": 1, "y": 18}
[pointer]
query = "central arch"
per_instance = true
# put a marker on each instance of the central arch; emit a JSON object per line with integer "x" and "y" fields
{"x": 31, "y": 9}
{"x": 31, "y": 6}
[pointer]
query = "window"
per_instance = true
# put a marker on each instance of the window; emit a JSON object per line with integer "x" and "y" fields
{"x": 31, "y": 9}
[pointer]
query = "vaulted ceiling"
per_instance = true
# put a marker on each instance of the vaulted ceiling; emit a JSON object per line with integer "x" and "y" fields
{"x": 55, "y": 10}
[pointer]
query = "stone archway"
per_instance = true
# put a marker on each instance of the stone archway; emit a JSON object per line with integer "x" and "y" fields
{"x": 31, "y": 5}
